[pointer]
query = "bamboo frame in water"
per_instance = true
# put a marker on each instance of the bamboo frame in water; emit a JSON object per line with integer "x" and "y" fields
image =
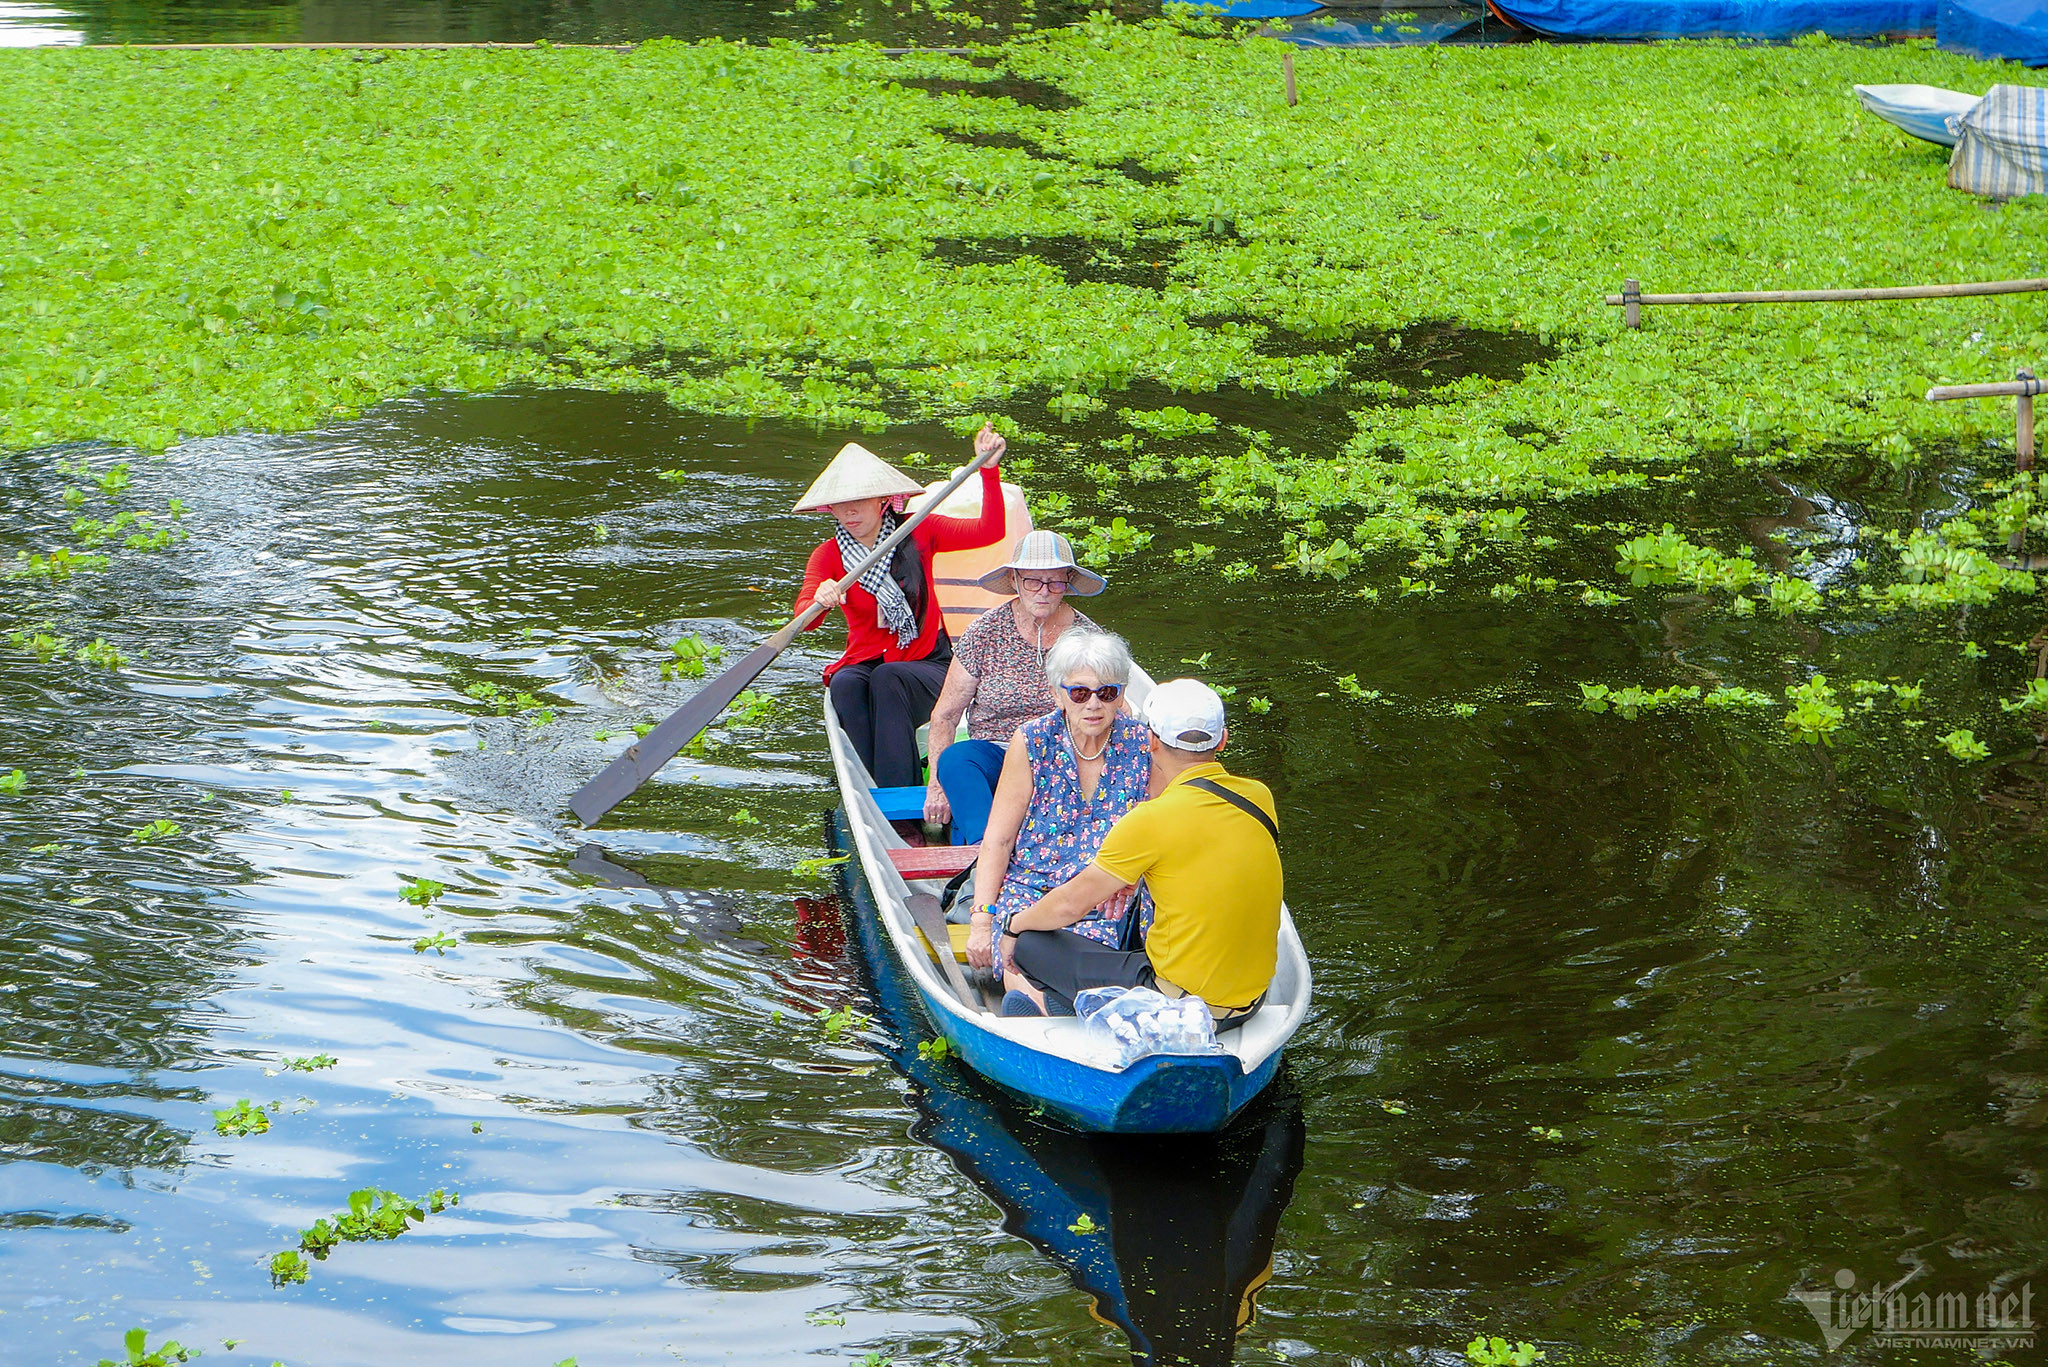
{"x": 2022, "y": 388}
{"x": 1632, "y": 299}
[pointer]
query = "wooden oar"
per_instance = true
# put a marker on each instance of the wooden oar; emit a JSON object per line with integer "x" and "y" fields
{"x": 624, "y": 775}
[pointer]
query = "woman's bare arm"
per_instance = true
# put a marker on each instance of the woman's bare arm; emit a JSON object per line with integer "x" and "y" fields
{"x": 998, "y": 843}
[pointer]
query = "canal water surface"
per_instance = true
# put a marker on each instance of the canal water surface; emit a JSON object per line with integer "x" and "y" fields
{"x": 1625, "y": 1031}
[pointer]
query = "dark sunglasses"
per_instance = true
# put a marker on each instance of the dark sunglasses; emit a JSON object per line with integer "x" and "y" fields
{"x": 1108, "y": 692}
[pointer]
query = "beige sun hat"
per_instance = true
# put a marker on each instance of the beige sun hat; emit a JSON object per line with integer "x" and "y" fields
{"x": 856, "y": 472}
{"x": 1044, "y": 550}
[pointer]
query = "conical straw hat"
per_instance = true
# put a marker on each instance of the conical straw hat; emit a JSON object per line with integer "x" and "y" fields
{"x": 856, "y": 472}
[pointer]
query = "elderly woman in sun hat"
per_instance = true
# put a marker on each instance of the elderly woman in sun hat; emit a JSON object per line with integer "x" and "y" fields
{"x": 897, "y": 650}
{"x": 997, "y": 679}
{"x": 1067, "y": 776}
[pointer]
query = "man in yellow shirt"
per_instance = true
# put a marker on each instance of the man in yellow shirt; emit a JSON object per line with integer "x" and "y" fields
{"x": 1206, "y": 845}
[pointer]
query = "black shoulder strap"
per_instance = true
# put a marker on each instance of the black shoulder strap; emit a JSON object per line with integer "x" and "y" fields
{"x": 1242, "y": 803}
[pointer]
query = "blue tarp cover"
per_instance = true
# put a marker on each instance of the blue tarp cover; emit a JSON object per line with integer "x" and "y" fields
{"x": 2015, "y": 30}
{"x": 1265, "y": 9}
{"x": 1720, "y": 18}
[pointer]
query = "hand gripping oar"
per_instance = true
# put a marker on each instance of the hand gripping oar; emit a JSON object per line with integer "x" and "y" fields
{"x": 624, "y": 775}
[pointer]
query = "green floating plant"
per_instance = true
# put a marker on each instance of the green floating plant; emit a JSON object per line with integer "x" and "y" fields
{"x": 751, "y": 708}
{"x": 845, "y": 1020}
{"x": 41, "y": 642}
{"x": 241, "y": 1119}
{"x": 422, "y": 891}
{"x": 1965, "y": 746}
{"x": 1498, "y": 1352}
{"x": 1665, "y": 557}
{"x": 506, "y": 701}
{"x": 1172, "y": 421}
{"x": 817, "y": 865}
{"x": 693, "y": 655}
{"x": 1815, "y": 715}
{"x": 99, "y": 652}
{"x": 166, "y": 1354}
{"x": 372, "y": 1216}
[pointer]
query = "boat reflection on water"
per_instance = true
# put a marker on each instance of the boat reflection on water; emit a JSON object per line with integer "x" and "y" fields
{"x": 1172, "y": 1235}
{"x": 1183, "y": 1226}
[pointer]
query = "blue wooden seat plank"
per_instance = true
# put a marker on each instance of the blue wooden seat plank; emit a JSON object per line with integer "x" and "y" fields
{"x": 900, "y": 804}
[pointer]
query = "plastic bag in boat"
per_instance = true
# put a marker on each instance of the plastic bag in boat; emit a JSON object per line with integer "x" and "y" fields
{"x": 1126, "y": 1024}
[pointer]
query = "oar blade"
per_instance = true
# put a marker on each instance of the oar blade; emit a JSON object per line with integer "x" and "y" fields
{"x": 646, "y": 755}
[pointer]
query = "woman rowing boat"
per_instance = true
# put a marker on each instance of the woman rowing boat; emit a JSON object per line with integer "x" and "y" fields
{"x": 897, "y": 651}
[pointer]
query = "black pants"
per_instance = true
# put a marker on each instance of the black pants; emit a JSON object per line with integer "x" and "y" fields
{"x": 881, "y": 705}
{"x": 1061, "y": 963}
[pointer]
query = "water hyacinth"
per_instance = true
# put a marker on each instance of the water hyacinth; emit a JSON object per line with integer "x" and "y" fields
{"x": 857, "y": 240}
{"x": 461, "y": 220}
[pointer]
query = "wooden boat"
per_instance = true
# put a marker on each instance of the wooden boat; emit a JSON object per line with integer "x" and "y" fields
{"x": 1180, "y": 1231}
{"x": 1922, "y": 110}
{"x": 1047, "y": 1061}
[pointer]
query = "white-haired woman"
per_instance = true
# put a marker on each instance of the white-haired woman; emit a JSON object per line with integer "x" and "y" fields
{"x": 897, "y": 651}
{"x": 1066, "y": 779}
{"x": 997, "y": 678}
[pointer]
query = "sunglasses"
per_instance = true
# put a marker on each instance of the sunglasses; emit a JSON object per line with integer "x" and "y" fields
{"x": 1108, "y": 692}
{"x": 1044, "y": 585}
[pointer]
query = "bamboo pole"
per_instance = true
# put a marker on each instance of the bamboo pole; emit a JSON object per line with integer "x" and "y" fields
{"x": 351, "y": 47}
{"x": 2021, "y": 388}
{"x": 1832, "y": 296}
{"x": 2023, "y": 439}
{"x": 288, "y": 46}
{"x": 1287, "y": 73}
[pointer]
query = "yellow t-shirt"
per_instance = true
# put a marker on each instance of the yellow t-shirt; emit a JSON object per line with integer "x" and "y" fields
{"x": 1214, "y": 875}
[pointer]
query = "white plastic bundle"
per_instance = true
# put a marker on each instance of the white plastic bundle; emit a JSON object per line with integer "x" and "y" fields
{"x": 1127, "y": 1023}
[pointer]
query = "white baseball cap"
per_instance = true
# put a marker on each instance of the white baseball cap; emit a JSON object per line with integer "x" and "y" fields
{"x": 1186, "y": 714}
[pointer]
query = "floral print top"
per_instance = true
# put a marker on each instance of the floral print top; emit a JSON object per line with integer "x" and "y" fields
{"x": 1008, "y": 673}
{"x": 1063, "y": 830}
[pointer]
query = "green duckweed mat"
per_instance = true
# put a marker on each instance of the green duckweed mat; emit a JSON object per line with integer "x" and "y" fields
{"x": 204, "y": 242}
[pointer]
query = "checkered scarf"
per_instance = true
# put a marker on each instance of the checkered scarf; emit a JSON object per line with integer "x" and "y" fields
{"x": 892, "y": 609}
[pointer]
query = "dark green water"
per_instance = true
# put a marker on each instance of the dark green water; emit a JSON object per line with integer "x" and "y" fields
{"x": 523, "y": 21}
{"x": 1782, "y": 1005}
{"x": 899, "y": 23}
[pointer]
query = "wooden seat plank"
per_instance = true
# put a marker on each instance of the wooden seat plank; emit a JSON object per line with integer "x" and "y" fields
{"x": 934, "y": 861}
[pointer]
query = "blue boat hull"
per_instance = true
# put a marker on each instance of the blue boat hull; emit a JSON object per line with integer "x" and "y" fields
{"x": 1163, "y": 1094}
{"x": 1172, "y": 1238}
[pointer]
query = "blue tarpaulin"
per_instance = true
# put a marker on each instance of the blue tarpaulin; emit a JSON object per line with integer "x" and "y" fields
{"x": 1721, "y": 18}
{"x": 1265, "y": 9}
{"x": 1333, "y": 32}
{"x": 2015, "y": 30}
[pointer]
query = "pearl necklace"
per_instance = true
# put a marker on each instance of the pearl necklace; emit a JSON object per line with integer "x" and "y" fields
{"x": 1098, "y": 750}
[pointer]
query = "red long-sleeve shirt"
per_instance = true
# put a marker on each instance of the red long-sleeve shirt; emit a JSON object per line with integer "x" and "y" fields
{"x": 865, "y": 638}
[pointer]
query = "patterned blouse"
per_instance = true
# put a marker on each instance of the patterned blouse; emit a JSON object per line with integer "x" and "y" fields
{"x": 1009, "y": 674}
{"x": 1063, "y": 830}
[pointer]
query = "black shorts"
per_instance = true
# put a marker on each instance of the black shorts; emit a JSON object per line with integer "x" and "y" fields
{"x": 1061, "y": 964}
